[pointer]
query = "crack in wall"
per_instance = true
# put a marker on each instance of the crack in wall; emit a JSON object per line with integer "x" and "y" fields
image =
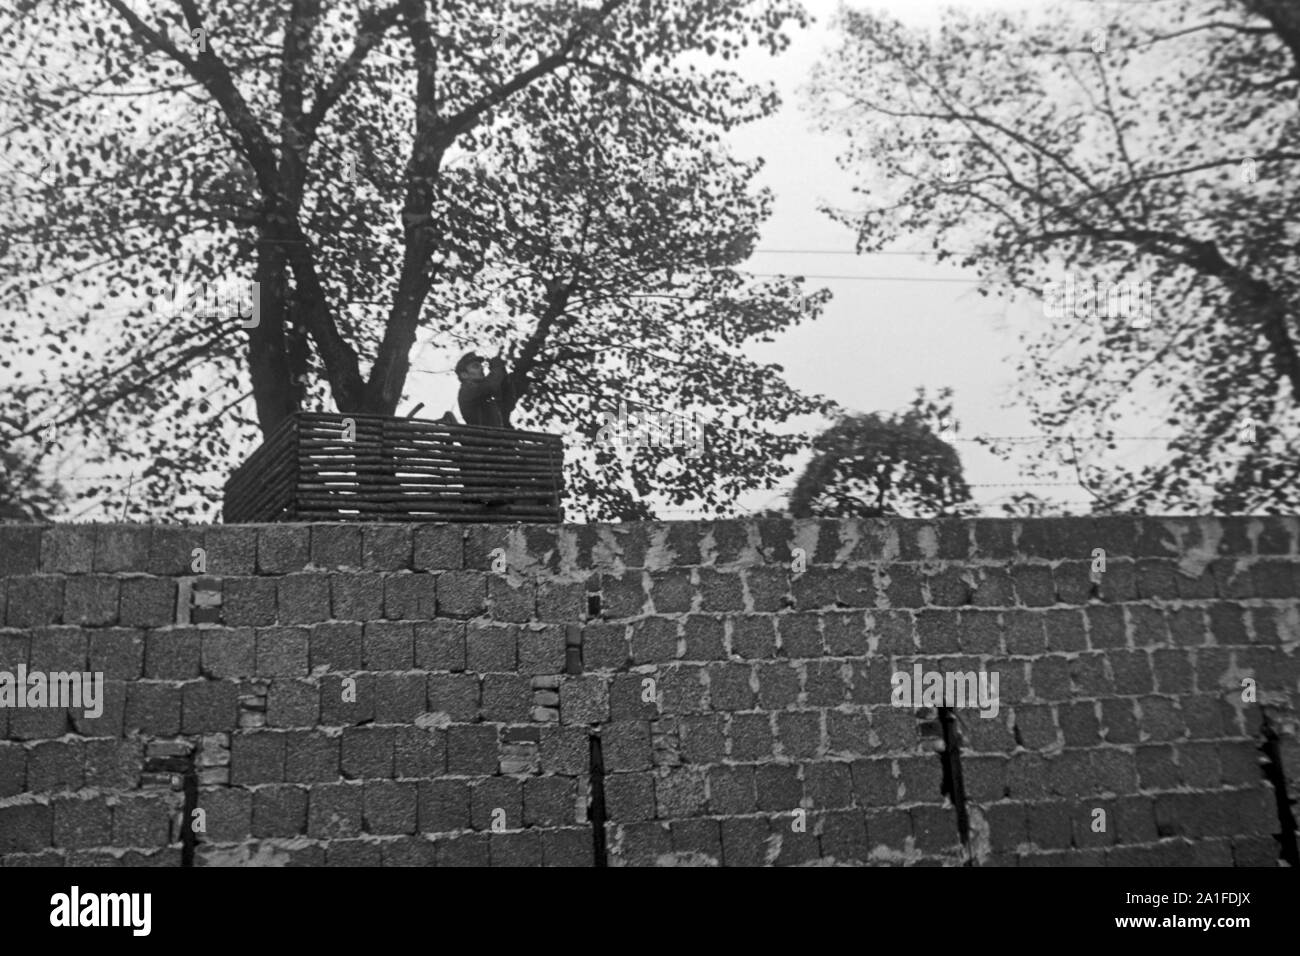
{"x": 1274, "y": 773}
{"x": 954, "y": 786}
{"x": 597, "y": 815}
{"x": 178, "y": 766}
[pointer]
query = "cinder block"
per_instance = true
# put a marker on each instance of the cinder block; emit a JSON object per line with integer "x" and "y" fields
{"x": 730, "y": 686}
{"x": 399, "y": 698}
{"x": 684, "y": 689}
{"x": 334, "y": 811}
{"x": 142, "y": 820}
{"x": 800, "y": 635}
{"x": 471, "y": 749}
{"x": 731, "y": 789}
{"x": 506, "y": 698}
{"x": 228, "y": 815}
{"x": 523, "y": 848}
{"x": 750, "y": 736}
{"x": 541, "y": 650}
{"x": 65, "y": 549}
{"x": 58, "y": 649}
{"x": 114, "y": 764}
{"x": 720, "y": 591}
{"x": 389, "y": 646}
{"x": 419, "y": 753}
{"x": 903, "y": 587}
{"x": 828, "y": 784}
{"x": 444, "y": 805}
{"x": 55, "y": 765}
{"x": 34, "y": 600}
{"x": 778, "y": 685}
{"x": 279, "y": 811}
{"x": 497, "y": 798}
{"x": 311, "y": 757}
{"x": 469, "y": 849}
{"x": 248, "y": 601}
{"x": 411, "y": 851}
{"x": 91, "y": 600}
{"x": 461, "y": 594}
{"x": 171, "y": 550}
{"x": 938, "y": 632}
{"x": 25, "y": 828}
{"x": 440, "y": 645}
{"x": 281, "y": 549}
{"x": 491, "y": 648}
{"x": 336, "y": 546}
{"x": 625, "y": 746}
{"x": 568, "y": 847}
{"x": 410, "y": 597}
{"x": 1050, "y": 678}
{"x": 386, "y": 547}
{"x": 81, "y": 822}
{"x": 209, "y": 706}
{"x": 653, "y": 640}
{"x": 227, "y": 652}
{"x": 282, "y": 652}
{"x": 848, "y": 733}
{"x": 302, "y": 599}
{"x": 799, "y": 734}
{"x": 153, "y": 708}
{"x": 440, "y": 548}
{"x": 257, "y": 756}
{"x": 934, "y": 829}
{"x": 512, "y": 598}
{"x": 337, "y": 647}
{"x": 368, "y": 752}
{"x": 561, "y": 602}
{"x": 703, "y": 738}
{"x": 121, "y": 547}
{"x": 346, "y": 700}
{"x": 951, "y": 587}
{"x": 605, "y": 646}
{"x": 172, "y": 654}
{"x": 745, "y": 841}
{"x": 584, "y": 700}
{"x": 356, "y": 597}
{"x": 292, "y": 703}
{"x": 389, "y": 807}
{"x": 456, "y": 695}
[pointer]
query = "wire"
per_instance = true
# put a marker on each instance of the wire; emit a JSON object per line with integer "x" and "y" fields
{"x": 850, "y": 252}
{"x": 805, "y": 275}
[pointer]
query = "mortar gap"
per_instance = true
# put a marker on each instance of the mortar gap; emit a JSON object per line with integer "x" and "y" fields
{"x": 596, "y": 816}
{"x": 184, "y": 767}
{"x": 954, "y": 786}
{"x": 1274, "y": 773}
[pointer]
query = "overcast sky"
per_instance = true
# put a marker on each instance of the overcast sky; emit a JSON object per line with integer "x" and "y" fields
{"x": 902, "y": 321}
{"x": 897, "y": 321}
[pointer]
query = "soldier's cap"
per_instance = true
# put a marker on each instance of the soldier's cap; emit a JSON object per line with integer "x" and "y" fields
{"x": 466, "y": 359}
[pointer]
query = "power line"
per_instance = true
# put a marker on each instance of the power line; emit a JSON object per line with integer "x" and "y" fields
{"x": 805, "y": 275}
{"x": 850, "y": 252}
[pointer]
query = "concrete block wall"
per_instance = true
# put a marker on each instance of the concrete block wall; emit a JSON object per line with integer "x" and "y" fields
{"x": 650, "y": 694}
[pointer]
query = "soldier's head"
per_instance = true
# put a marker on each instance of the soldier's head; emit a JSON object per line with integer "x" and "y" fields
{"x": 470, "y": 368}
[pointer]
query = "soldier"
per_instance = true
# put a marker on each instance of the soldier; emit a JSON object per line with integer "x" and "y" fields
{"x": 483, "y": 397}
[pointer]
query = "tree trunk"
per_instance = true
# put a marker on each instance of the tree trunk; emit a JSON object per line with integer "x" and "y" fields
{"x": 268, "y": 364}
